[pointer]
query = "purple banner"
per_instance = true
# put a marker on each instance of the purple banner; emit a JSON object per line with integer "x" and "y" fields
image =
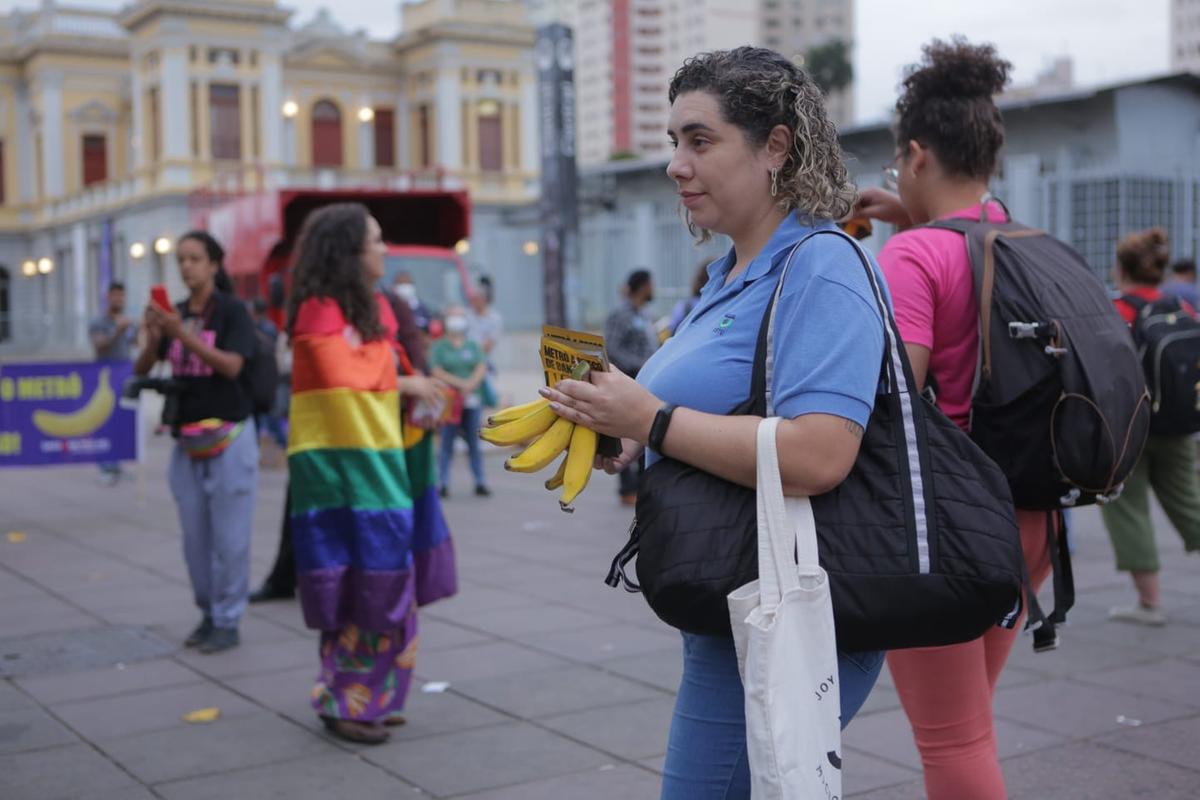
{"x": 66, "y": 413}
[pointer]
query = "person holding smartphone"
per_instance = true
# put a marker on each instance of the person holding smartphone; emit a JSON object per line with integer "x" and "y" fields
{"x": 213, "y": 474}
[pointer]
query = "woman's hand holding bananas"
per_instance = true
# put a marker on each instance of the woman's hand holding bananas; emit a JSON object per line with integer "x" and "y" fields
{"x": 554, "y": 427}
{"x": 611, "y": 404}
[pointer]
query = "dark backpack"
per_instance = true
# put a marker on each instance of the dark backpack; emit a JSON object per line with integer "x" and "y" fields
{"x": 260, "y": 373}
{"x": 1060, "y": 403}
{"x": 1167, "y": 338}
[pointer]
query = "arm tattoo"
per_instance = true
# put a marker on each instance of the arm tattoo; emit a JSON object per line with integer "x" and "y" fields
{"x": 854, "y": 428}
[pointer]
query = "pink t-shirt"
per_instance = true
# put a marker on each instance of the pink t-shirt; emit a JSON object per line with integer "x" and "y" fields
{"x": 929, "y": 273}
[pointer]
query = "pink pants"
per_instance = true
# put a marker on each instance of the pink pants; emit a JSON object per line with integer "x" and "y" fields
{"x": 947, "y": 694}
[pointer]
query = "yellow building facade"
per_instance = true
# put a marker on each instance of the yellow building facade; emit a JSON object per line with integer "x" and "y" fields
{"x": 113, "y": 124}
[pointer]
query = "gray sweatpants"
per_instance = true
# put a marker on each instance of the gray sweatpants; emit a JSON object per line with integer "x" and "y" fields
{"x": 215, "y": 499}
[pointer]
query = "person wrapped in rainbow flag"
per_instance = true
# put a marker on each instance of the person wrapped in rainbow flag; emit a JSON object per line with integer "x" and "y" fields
{"x": 369, "y": 549}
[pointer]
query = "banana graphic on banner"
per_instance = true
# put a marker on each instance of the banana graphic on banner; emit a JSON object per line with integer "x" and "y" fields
{"x": 86, "y": 420}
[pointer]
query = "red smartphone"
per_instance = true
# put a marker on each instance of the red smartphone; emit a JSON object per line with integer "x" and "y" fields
{"x": 158, "y": 295}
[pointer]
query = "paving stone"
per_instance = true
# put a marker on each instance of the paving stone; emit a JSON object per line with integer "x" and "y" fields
{"x": 1177, "y": 742}
{"x": 880, "y": 699}
{"x": 1076, "y": 655}
{"x": 12, "y": 698}
{"x": 1076, "y": 710}
{"x": 556, "y": 691}
{"x": 432, "y": 714}
{"x": 512, "y": 624}
{"x": 1169, "y": 639}
{"x": 93, "y": 647}
{"x": 438, "y": 635}
{"x": 1083, "y": 771}
{"x": 113, "y": 717}
{"x": 863, "y": 773}
{"x": 913, "y": 790}
{"x": 216, "y": 747}
{"x": 609, "y": 781}
{"x": 1173, "y": 680}
{"x": 633, "y": 731}
{"x": 661, "y": 668}
{"x": 252, "y": 657}
{"x": 604, "y": 642}
{"x": 46, "y": 615}
{"x": 319, "y": 778}
{"x": 884, "y": 735}
{"x": 655, "y": 764}
{"x": 473, "y": 598}
{"x": 106, "y": 681}
{"x": 31, "y": 728}
{"x": 62, "y": 773}
{"x": 501, "y": 755}
{"x": 285, "y": 691}
{"x": 482, "y": 661}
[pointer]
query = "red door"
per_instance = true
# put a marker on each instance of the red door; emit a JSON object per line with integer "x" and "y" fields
{"x": 326, "y": 135}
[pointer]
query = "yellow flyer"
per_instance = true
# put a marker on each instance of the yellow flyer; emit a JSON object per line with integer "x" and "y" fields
{"x": 561, "y": 349}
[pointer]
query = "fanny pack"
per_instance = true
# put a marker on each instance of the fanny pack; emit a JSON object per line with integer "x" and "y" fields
{"x": 208, "y": 437}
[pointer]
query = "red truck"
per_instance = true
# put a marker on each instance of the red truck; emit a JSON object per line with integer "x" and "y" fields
{"x": 421, "y": 228}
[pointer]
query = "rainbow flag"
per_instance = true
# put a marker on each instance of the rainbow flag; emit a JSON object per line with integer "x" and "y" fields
{"x": 351, "y": 500}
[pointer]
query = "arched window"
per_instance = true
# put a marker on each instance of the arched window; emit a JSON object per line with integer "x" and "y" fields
{"x": 326, "y": 134}
{"x": 5, "y": 307}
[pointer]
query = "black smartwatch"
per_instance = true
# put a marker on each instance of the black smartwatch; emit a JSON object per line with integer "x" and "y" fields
{"x": 658, "y": 430}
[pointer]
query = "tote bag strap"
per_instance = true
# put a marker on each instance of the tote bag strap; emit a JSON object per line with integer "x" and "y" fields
{"x": 784, "y": 526}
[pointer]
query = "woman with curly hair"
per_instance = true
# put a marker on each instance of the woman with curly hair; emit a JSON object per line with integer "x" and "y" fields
{"x": 362, "y": 566}
{"x": 1168, "y": 463}
{"x": 948, "y": 136}
{"x": 757, "y": 159}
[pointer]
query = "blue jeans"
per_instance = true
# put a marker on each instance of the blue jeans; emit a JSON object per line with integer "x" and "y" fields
{"x": 706, "y": 750}
{"x": 468, "y": 428}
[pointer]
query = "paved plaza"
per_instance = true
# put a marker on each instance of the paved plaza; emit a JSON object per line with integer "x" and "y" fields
{"x": 559, "y": 688}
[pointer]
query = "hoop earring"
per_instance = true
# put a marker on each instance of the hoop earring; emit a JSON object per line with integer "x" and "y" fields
{"x": 774, "y": 182}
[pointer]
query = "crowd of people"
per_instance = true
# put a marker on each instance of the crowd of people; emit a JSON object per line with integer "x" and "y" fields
{"x": 756, "y": 158}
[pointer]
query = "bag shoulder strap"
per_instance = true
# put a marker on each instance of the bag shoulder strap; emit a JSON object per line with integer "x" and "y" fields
{"x": 895, "y": 370}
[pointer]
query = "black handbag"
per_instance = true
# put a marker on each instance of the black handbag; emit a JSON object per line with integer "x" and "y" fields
{"x": 920, "y": 541}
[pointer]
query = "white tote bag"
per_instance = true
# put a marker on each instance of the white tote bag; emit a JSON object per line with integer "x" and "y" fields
{"x": 787, "y": 653}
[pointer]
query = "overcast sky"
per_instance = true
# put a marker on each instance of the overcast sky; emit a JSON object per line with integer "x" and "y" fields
{"x": 1108, "y": 39}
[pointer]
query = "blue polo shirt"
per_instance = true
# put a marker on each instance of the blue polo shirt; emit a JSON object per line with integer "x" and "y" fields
{"x": 828, "y": 333}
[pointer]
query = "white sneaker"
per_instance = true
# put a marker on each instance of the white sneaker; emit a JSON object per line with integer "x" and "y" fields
{"x": 1139, "y": 614}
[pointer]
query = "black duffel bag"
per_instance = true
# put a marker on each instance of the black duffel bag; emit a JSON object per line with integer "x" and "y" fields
{"x": 920, "y": 541}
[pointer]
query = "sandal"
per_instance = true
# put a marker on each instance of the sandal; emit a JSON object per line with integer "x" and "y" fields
{"x": 358, "y": 732}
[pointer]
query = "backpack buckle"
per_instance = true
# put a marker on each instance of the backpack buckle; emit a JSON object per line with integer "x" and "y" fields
{"x": 1023, "y": 330}
{"x": 1070, "y": 498}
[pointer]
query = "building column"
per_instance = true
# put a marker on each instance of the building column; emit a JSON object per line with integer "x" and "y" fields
{"x": 527, "y": 127}
{"x": 53, "y": 152}
{"x": 447, "y": 133}
{"x": 175, "y": 114}
{"x": 77, "y": 285}
{"x": 403, "y": 134}
{"x": 26, "y": 175}
{"x": 270, "y": 98}
{"x": 366, "y": 135}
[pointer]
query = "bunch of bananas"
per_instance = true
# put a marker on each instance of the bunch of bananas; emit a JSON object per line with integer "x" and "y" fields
{"x": 548, "y": 436}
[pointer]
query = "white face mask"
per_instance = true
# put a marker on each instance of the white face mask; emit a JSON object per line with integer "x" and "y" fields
{"x": 407, "y": 292}
{"x": 456, "y": 324}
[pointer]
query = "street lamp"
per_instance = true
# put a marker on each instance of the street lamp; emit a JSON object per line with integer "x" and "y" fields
{"x": 29, "y": 268}
{"x": 291, "y": 108}
{"x": 366, "y": 114}
{"x": 530, "y": 248}
{"x": 137, "y": 250}
{"x": 462, "y": 247}
{"x": 162, "y": 245}
{"x": 45, "y": 266}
